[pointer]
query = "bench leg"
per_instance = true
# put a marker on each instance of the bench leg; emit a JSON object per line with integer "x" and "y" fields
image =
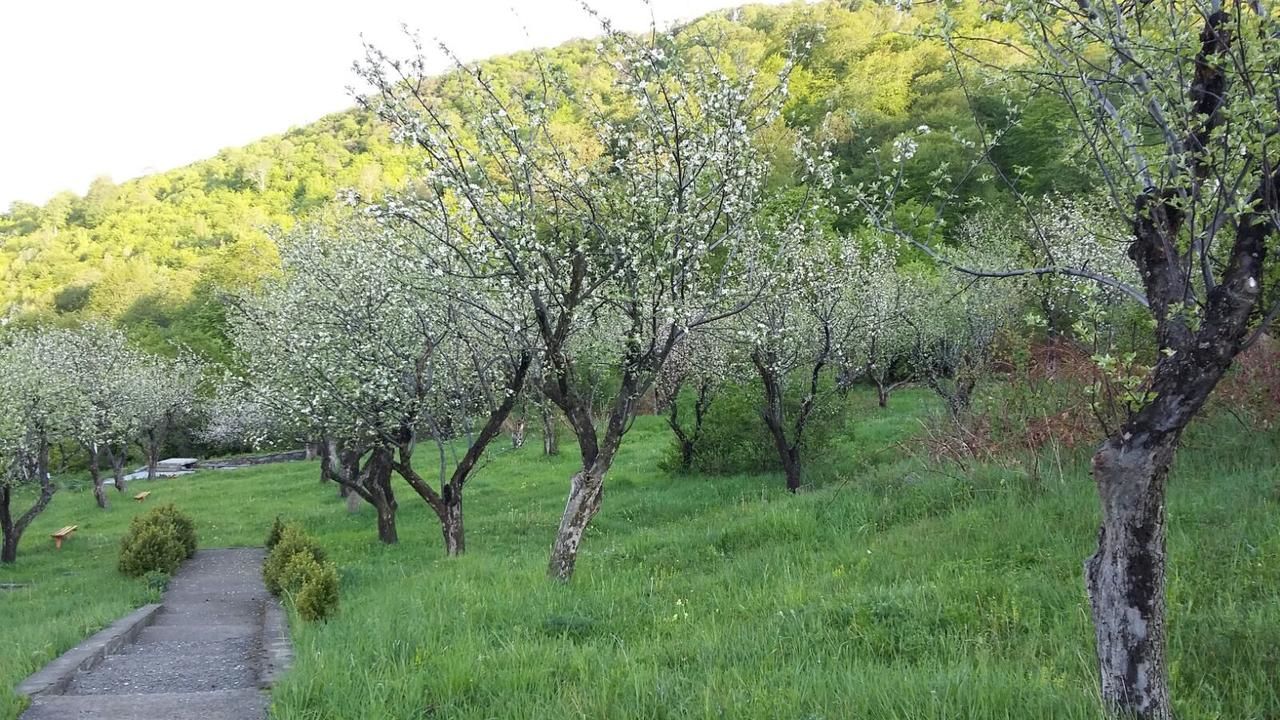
{"x": 57, "y": 543}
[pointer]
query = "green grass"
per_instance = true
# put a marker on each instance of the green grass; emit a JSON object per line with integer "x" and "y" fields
{"x": 890, "y": 591}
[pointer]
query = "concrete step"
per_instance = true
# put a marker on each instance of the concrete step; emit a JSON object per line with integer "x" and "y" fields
{"x": 219, "y": 705}
{"x": 213, "y": 612}
{"x": 196, "y": 633}
{"x": 181, "y": 667}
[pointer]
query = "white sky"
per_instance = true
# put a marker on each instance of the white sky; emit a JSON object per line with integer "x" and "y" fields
{"x": 127, "y": 87}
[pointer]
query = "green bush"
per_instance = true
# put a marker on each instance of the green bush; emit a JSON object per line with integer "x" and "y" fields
{"x": 293, "y": 540}
{"x": 318, "y": 598}
{"x": 157, "y": 542}
{"x": 273, "y": 535}
{"x": 298, "y": 568}
{"x": 150, "y": 547}
{"x": 736, "y": 441}
{"x": 156, "y": 581}
{"x": 183, "y": 526}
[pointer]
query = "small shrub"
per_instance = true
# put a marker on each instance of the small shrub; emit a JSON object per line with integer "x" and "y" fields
{"x": 183, "y": 526}
{"x": 156, "y": 581}
{"x": 299, "y": 568}
{"x": 293, "y": 540}
{"x": 150, "y": 547}
{"x": 735, "y": 439}
{"x": 273, "y": 536}
{"x": 318, "y": 598}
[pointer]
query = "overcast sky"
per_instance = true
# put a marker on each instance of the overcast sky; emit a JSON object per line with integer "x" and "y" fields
{"x": 127, "y": 87}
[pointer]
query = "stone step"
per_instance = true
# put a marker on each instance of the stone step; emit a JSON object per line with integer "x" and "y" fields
{"x": 173, "y": 667}
{"x": 235, "y": 593}
{"x": 219, "y": 705}
{"x": 196, "y": 633}
{"x": 213, "y": 612}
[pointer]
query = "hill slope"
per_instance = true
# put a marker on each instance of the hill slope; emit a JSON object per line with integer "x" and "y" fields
{"x": 896, "y": 592}
{"x": 152, "y": 252}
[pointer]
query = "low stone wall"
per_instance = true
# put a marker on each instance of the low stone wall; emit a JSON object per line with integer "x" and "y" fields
{"x": 279, "y": 457}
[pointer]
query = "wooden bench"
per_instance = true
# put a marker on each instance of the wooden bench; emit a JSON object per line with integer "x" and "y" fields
{"x": 142, "y": 495}
{"x": 63, "y": 534}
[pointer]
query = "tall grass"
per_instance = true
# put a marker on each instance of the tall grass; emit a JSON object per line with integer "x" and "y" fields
{"x": 891, "y": 590}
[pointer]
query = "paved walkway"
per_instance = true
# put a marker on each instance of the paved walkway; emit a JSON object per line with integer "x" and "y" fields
{"x": 204, "y": 658}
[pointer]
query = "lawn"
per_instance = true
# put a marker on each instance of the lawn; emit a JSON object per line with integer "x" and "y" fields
{"x": 892, "y": 590}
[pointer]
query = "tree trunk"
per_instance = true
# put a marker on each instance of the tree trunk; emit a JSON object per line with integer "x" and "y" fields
{"x": 153, "y": 453}
{"x": 586, "y": 489}
{"x": 348, "y": 471}
{"x": 377, "y": 482}
{"x": 118, "y": 459}
{"x": 9, "y": 549}
{"x": 775, "y": 419}
{"x": 882, "y": 393}
{"x": 791, "y": 468}
{"x": 1125, "y": 578}
{"x": 11, "y": 530}
{"x": 686, "y": 455}
{"x": 517, "y": 434}
{"x": 451, "y": 524}
{"x": 95, "y": 474}
{"x": 387, "y": 525}
{"x": 328, "y": 452}
{"x": 550, "y": 438}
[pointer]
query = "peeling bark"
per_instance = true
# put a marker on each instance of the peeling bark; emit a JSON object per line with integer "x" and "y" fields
{"x": 1125, "y": 578}
{"x": 586, "y": 490}
{"x": 451, "y": 526}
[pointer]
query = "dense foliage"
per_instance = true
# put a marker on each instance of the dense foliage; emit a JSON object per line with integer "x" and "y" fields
{"x": 154, "y": 254}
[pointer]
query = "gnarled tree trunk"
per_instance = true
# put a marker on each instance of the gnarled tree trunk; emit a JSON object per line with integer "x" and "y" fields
{"x": 377, "y": 482}
{"x": 11, "y": 529}
{"x": 451, "y": 522}
{"x": 1125, "y": 578}
{"x": 586, "y": 489}
{"x": 118, "y": 456}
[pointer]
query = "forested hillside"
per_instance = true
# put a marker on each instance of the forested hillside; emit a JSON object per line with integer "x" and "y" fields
{"x": 152, "y": 253}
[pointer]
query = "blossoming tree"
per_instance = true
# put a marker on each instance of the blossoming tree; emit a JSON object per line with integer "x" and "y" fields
{"x": 38, "y": 406}
{"x": 615, "y": 217}
{"x": 102, "y": 369}
{"x": 350, "y": 344}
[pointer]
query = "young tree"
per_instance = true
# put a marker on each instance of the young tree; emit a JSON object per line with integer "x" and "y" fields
{"x": 351, "y": 341}
{"x": 799, "y": 332}
{"x": 38, "y": 406}
{"x": 890, "y": 300}
{"x": 614, "y": 218}
{"x": 1175, "y": 107}
{"x": 955, "y": 333}
{"x": 166, "y": 391}
{"x": 701, "y": 362}
{"x": 103, "y": 368}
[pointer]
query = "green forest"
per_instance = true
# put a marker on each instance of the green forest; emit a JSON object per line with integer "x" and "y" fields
{"x": 152, "y": 254}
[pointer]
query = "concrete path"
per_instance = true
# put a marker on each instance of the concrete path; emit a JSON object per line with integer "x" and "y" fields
{"x": 210, "y": 653}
